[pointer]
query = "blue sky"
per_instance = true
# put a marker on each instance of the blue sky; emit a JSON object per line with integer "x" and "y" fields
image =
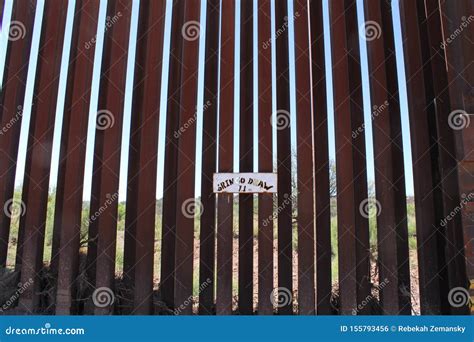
{"x": 129, "y": 87}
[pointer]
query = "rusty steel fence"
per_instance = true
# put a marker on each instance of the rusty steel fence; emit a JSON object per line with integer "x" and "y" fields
{"x": 264, "y": 66}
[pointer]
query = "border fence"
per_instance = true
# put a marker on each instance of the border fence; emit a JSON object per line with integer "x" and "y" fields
{"x": 263, "y": 270}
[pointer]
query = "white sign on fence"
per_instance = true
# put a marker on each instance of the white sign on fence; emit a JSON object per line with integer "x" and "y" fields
{"x": 246, "y": 183}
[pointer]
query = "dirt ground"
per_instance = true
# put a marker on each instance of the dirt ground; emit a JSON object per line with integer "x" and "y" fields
{"x": 374, "y": 277}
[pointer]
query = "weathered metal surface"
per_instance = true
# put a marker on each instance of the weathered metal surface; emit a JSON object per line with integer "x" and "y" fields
{"x": 353, "y": 230}
{"x": 139, "y": 245}
{"x": 282, "y": 120}
{"x": 245, "y": 182}
{"x": 171, "y": 144}
{"x": 321, "y": 161}
{"x": 105, "y": 181}
{"x": 305, "y": 174}
{"x": 12, "y": 96}
{"x": 421, "y": 143}
{"x": 187, "y": 205}
{"x": 225, "y": 202}
{"x": 460, "y": 71}
{"x": 246, "y": 158}
{"x": 39, "y": 150}
{"x": 435, "y": 157}
{"x": 68, "y": 210}
{"x": 439, "y": 97}
{"x": 207, "y": 234}
{"x": 392, "y": 230}
{"x": 459, "y": 53}
{"x": 447, "y": 162}
{"x": 265, "y": 155}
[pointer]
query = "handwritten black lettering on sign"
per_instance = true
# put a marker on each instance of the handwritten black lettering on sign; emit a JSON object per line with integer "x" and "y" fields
{"x": 245, "y": 182}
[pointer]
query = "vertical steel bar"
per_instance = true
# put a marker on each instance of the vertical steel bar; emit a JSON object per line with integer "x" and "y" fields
{"x": 435, "y": 155}
{"x": 105, "y": 182}
{"x": 246, "y": 158}
{"x": 321, "y": 161}
{"x": 305, "y": 173}
{"x": 169, "y": 187}
{"x": 422, "y": 165}
{"x": 39, "y": 150}
{"x": 141, "y": 198}
{"x": 454, "y": 246}
{"x": 265, "y": 155}
{"x": 12, "y": 95}
{"x": 67, "y": 222}
{"x": 353, "y": 230}
{"x": 392, "y": 230}
{"x": 225, "y": 201}
{"x": 282, "y": 121}
{"x": 460, "y": 69}
{"x": 207, "y": 243}
{"x": 187, "y": 204}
